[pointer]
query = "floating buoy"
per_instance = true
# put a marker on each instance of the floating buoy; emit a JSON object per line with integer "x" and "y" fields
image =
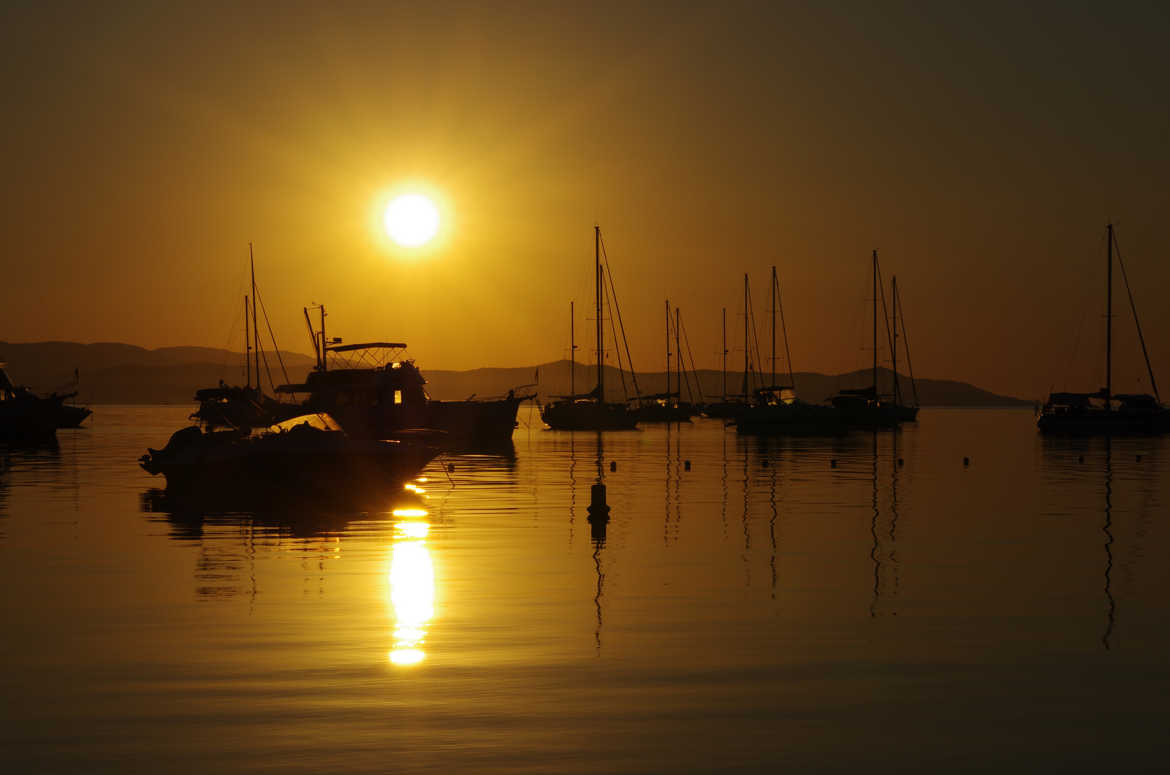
{"x": 687, "y": 464}
{"x": 1081, "y": 459}
{"x": 833, "y": 463}
{"x": 613, "y": 465}
{"x": 1139, "y": 458}
{"x": 598, "y": 508}
{"x": 966, "y": 461}
{"x": 901, "y": 462}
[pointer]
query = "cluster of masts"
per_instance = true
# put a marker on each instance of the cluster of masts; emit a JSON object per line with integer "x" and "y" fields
{"x": 775, "y": 408}
{"x": 770, "y": 407}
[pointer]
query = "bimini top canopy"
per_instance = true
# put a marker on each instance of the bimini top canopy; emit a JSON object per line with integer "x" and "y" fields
{"x": 345, "y": 348}
{"x": 319, "y": 420}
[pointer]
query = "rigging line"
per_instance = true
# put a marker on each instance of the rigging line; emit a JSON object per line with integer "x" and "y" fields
{"x": 906, "y": 342}
{"x": 755, "y": 340}
{"x": 267, "y": 370}
{"x": 621, "y": 324}
{"x": 886, "y": 318}
{"x": 613, "y": 330}
{"x": 1133, "y": 308}
{"x": 681, "y": 370}
{"x": 691, "y": 355}
{"x": 784, "y": 329}
{"x": 272, "y": 336}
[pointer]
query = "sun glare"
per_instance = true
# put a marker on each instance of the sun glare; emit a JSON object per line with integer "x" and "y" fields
{"x": 411, "y": 220}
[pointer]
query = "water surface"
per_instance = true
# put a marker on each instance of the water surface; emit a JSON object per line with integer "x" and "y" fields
{"x": 870, "y": 602}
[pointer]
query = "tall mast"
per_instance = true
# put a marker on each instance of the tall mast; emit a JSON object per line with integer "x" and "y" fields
{"x": 773, "y": 383}
{"x": 255, "y": 304}
{"x": 894, "y": 349}
{"x": 678, "y": 363}
{"x": 725, "y": 354}
{"x": 1108, "y": 315}
{"x": 247, "y": 347}
{"x": 668, "y": 349}
{"x": 745, "y": 336}
{"x": 572, "y": 353}
{"x": 875, "y": 303}
{"x": 600, "y": 327}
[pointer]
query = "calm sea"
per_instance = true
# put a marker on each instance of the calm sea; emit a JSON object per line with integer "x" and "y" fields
{"x": 855, "y": 604}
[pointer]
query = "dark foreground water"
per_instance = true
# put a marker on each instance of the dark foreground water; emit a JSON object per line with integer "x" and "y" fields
{"x": 765, "y": 608}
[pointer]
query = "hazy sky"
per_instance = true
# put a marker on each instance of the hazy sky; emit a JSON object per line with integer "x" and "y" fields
{"x": 981, "y": 147}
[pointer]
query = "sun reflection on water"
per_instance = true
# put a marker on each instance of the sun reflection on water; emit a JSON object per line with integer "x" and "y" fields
{"x": 412, "y": 586}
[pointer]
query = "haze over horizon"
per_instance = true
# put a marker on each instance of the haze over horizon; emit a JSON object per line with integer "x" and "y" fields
{"x": 980, "y": 150}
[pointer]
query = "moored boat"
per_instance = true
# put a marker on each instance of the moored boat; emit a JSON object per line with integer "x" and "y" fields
{"x": 1104, "y": 413}
{"x": 306, "y": 453}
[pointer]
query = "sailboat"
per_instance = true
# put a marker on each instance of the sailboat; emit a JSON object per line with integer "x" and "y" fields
{"x": 590, "y": 411}
{"x": 1104, "y": 413}
{"x": 668, "y": 406}
{"x": 729, "y": 405}
{"x": 776, "y": 409}
{"x": 864, "y": 407}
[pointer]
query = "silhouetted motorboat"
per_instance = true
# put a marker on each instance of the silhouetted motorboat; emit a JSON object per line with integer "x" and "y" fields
{"x": 25, "y": 415}
{"x": 1103, "y": 413}
{"x": 305, "y": 453}
{"x": 590, "y": 411}
{"x": 374, "y": 391}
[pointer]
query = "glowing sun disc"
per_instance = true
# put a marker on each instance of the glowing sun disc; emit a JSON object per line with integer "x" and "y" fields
{"x": 411, "y": 220}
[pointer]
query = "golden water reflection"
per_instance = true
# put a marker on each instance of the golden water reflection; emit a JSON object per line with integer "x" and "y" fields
{"x": 412, "y": 586}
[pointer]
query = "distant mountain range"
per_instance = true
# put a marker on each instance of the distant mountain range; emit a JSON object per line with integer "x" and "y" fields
{"x": 112, "y": 373}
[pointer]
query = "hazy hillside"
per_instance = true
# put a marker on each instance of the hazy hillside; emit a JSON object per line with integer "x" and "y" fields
{"x": 119, "y": 373}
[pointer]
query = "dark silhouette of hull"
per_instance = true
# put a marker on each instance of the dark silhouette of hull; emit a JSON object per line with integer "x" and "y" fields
{"x": 725, "y": 410}
{"x": 655, "y": 412}
{"x": 303, "y": 459}
{"x": 868, "y": 413}
{"x": 587, "y": 416}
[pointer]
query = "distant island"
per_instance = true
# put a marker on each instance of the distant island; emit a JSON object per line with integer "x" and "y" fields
{"x": 112, "y": 373}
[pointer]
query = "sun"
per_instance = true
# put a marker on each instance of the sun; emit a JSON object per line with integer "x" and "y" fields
{"x": 411, "y": 220}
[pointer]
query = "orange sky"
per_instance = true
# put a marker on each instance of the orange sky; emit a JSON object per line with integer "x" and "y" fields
{"x": 981, "y": 151}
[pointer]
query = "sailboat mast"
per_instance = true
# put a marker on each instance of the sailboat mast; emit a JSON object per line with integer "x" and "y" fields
{"x": 746, "y": 363}
{"x": 773, "y": 383}
{"x": 255, "y": 329}
{"x": 725, "y": 354}
{"x": 894, "y": 349}
{"x": 600, "y": 326}
{"x": 247, "y": 347}
{"x": 875, "y": 303}
{"x": 1108, "y": 316}
{"x": 572, "y": 353}
{"x": 324, "y": 355}
{"x": 668, "y": 349}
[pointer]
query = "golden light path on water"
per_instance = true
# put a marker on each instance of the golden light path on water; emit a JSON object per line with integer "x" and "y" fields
{"x": 412, "y": 585}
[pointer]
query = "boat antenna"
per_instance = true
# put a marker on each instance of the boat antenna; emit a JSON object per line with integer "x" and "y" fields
{"x": 1133, "y": 308}
{"x": 313, "y": 336}
{"x": 247, "y": 347}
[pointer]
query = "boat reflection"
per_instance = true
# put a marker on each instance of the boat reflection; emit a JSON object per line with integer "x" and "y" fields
{"x": 412, "y": 586}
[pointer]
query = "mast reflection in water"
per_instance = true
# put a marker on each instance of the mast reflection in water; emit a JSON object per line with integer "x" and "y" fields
{"x": 412, "y": 586}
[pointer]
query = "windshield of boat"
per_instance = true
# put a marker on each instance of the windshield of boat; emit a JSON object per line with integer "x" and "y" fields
{"x": 319, "y": 420}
